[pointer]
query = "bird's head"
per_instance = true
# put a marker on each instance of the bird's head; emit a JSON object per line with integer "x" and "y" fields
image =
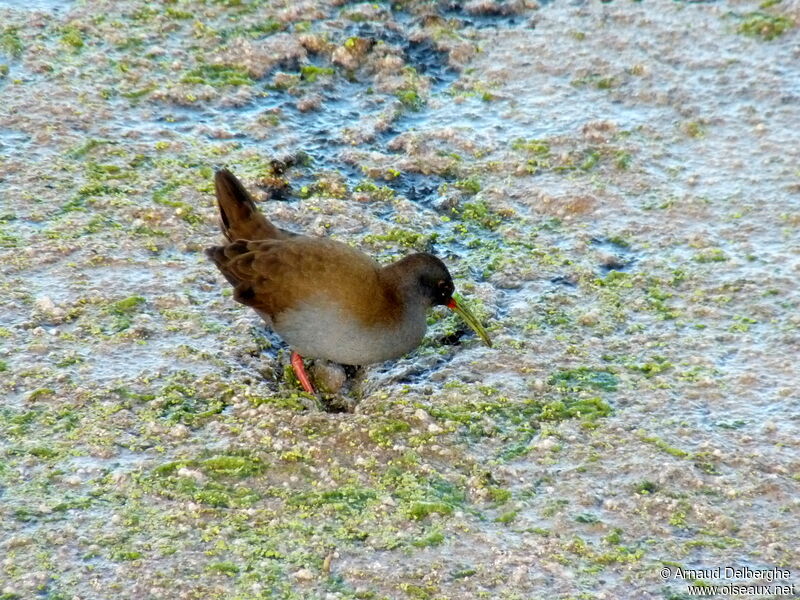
{"x": 426, "y": 280}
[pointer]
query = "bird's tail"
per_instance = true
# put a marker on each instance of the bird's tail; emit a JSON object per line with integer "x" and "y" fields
{"x": 240, "y": 219}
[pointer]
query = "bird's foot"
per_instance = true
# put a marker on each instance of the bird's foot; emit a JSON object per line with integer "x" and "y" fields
{"x": 300, "y": 371}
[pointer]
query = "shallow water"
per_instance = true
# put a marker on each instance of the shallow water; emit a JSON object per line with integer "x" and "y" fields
{"x": 615, "y": 189}
{"x": 52, "y": 6}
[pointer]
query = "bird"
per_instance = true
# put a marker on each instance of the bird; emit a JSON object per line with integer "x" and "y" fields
{"x": 324, "y": 298}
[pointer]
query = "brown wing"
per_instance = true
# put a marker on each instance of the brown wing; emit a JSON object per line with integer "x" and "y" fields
{"x": 274, "y": 275}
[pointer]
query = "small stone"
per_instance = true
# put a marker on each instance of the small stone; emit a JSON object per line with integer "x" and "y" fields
{"x": 611, "y": 261}
{"x": 421, "y": 415}
{"x": 519, "y": 574}
{"x": 309, "y": 102}
{"x": 546, "y": 444}
{"x": 179, "y": 431}
{"x": 445, "y": 203}
{"x": 17, "y": 541}
{"x": 44, "y": 304}
{"x": 191, "y": 473}
{"x": 303, "y": 575}
{"x": 599, "y": 132}
{"x": 284, "y": 80}
{"x": 342, "y": 56}
{"x": 329, "y": 377}
{"x": 44, "y": 309}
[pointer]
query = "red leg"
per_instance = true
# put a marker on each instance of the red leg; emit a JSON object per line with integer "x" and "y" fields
{"x": 300, "y": 371}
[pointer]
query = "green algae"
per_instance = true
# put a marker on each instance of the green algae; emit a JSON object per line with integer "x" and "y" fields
{"x": 401, "y": 238}
{"x": 224, "y": 568}
{"x": 596, "y": 80}
{"x": 182, "y": 404}
{"x": 498, "y": 495}
{"x": 418, "y": 592}
{"x": 319, "y": 189}
{"x": 166, "y": 195}
{"x": 126, "y": 555}
{"x": 265, "y": 555}
{"x": 211, "y": 493}
{"x": 586, "y": 409}
{"x": 694, "y": 129}
{"x": 41, "y": 393}
{"x": 590, "y": 160}
{"x": 435, "y": 537}
{"x": 292, "y": 402}
{"x": 123, "y": 312}
{"x": 532, "y": 146}
{"x": 645, "y": 488}
{"x": 410, "y": 94}
{"x": 585, "y": 378}
{"x": 479, "y": 213}
{"x": 377, "y": 193}
{"x": 597, "y": 559}
{"x": 421, "y": 496}
{"x": 384, "y": 434}
{"x": 218, "y": 76}
{"x": 655, "y": 366}
{"x": 711, "y": 255}
{"x": 256, "y": 30}
{"x": 622, "y": 159}
{"x": 470, "y": 185}
{"x": 665, "y": 446}
{"x": 311, "y": 73}
{"x": 765, "y": 26}
{"x": 587, "y": 518}
{"x": 543, "y": 155}
{"x": 419, "y": 510}
{"x": 10, "y": 42}
{"x": 344, "y": 500}
{"x": 518, "y": 420}
{"x": 410, "y": 99}
{"x": 9, "y": 239}
{"x": 72, "y": 37}
{"x": 507, "y": 517}
{"x": 238, "y": 466}
{"x": 127, "y": 306}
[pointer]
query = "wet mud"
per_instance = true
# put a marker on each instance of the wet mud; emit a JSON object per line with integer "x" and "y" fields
{"x": 615, "y": 188}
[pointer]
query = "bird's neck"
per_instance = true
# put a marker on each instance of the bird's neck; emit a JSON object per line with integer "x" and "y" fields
{"x": 401, "y": 277}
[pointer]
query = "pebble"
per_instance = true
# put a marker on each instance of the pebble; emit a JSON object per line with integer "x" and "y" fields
{"x": 303, "y": 575}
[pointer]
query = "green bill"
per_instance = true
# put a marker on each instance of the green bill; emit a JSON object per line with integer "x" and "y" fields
{"x": 470, "y": 320}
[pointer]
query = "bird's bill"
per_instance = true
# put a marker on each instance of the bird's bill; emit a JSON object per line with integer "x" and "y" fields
{"x": 470, "y": 320}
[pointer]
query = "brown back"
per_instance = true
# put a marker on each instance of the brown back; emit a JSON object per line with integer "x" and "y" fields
{"x": 272, "y": 276}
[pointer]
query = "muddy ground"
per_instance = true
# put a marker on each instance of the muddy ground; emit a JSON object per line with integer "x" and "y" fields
{"x": 616, "y": 188}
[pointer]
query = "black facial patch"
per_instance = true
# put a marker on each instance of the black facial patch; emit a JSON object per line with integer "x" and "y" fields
{"x": 444, "y": 290}
{"x": 438, "y": 288}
